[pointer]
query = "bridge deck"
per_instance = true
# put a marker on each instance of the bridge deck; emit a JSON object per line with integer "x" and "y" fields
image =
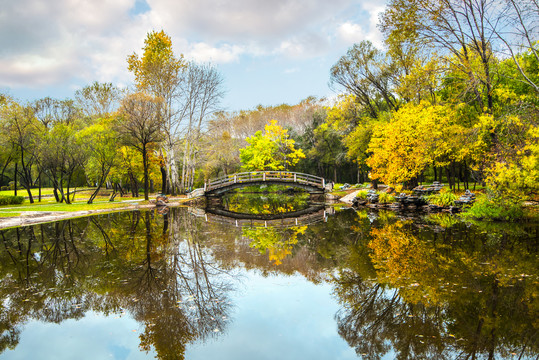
{"x": 256, "y": 177}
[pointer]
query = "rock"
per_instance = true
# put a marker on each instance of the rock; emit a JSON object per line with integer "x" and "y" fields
{"x": 372, "y": 196}
{"x": 161, "y": 200}
{"x": 466, "y": 199}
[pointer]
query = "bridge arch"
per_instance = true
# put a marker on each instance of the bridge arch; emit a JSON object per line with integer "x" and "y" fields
{"x": 310, "y": 183}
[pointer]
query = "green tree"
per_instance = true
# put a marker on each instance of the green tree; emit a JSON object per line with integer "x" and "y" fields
{"x": 273, "y": 150}
{"x": 21, "y": 127}
{"x": 61, "y": 155}
{"x": 100, "y": 140}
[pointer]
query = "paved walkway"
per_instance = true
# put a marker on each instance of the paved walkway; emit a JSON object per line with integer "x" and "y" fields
{"x": 348, "y": 199}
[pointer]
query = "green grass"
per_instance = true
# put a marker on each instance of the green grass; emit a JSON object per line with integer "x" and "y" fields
{"x": 362, "y": 194}
{"x": 486, "y": 209}
{"x": 385, "y": 198}
{"x": 444, "y": 198}
{"x": 49, "y": 205}
{"x": 10, "y": 214}
{"x": 23, "y": 192}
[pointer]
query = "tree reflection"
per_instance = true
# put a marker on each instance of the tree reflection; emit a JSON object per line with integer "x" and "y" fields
{"x": 113, "y": 264}
{"x": 437, "y": 297}
{"x": 265, "y": 203}
{"x": 421, "y": 289}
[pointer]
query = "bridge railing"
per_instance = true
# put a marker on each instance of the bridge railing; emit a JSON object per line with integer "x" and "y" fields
{"x": 195, "y": 193}
{"x": 255, "y": 176}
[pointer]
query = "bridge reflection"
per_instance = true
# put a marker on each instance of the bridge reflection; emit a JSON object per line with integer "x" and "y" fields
{"x": 311, "y": 215}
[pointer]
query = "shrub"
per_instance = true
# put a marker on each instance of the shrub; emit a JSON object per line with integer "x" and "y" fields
{"x": 490, "y": 209}
{"x": 362, "y": 194}
{"x": 385, "y": 198}
{"x": 444, "y": 198}
{"x": 11, "y": 200}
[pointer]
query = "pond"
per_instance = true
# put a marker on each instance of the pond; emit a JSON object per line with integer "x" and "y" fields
{"x": 346, "y": 284}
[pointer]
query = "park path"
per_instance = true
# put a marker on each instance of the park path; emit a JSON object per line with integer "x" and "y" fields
{"x": 349, "y": 198}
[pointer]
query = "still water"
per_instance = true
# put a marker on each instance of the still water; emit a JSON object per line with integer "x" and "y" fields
{"x": 341, "y": 284}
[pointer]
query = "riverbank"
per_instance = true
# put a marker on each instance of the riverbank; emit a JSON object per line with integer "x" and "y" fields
{"x": 32, "y": 217}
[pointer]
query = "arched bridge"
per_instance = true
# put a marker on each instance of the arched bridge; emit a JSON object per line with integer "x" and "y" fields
{"x": 214, "y": 187}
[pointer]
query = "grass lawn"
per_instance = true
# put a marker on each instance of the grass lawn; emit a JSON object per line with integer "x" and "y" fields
{"x": 49, "y": 204}
{"x": 44, "y": 191}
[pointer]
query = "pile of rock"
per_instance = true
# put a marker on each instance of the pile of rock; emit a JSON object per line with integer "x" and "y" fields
{"x": 406, "y": 200}
{"x": 372, "y": 196}
{"x": 428, "y": 190}
{"x": 466, "y": 199}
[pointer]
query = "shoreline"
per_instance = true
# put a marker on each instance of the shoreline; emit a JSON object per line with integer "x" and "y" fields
{"x": 41, "y": 217}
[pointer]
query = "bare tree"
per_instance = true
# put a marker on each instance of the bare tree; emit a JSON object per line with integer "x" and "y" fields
{"x": 98, "y": 99}
{"x": 201, "y": 95}
{"x": 141, "y": 125}
{"x": 462, "y": 30}
{"x": 517, "y": 27}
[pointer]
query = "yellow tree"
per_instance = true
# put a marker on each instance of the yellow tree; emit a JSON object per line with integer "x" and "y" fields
{"x": 414, "y": 139}
{"x": 158, "y": 72}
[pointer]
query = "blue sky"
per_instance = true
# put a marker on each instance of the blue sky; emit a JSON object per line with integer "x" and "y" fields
{"x": 268, "y": 52}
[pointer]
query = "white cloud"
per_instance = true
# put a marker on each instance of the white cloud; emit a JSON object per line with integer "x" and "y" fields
{"x": 245, "y": 20}
{"x": 203, "y": 52}
{"x": 350, "y": 33}
{"x": 73, "y": 42}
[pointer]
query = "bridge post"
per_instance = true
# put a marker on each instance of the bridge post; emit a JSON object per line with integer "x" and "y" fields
{"x": 264, "y": 176}
{"x": 235, "y": 179}
{"x": 323, "y": 183}
{"x": 205, "y": 186}
{"x": 295, "y": 177}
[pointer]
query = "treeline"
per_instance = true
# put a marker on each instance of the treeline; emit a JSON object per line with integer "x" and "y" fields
{"x": 453, "y": 97}
{"x": 145, "y": 138}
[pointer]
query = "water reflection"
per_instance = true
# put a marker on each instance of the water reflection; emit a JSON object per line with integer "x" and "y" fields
{"x": 265, "y": 202}
{"x": 431, "y": 288}
{"x": 114, "y": 264}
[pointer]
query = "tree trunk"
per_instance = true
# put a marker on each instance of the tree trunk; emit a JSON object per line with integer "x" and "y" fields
{"x": 15, "y": 179}
{"x": 164, "y": 187}
{"x": 145, "y": 166}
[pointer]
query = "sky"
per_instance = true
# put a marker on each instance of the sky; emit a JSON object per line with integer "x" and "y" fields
{"x": 269, "y": 52}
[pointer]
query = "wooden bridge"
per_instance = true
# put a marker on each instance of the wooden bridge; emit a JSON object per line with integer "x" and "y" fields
{"x": 215, "y": 187}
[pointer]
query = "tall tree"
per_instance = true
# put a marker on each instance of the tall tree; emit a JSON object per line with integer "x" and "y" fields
{"x": 140, "y": 125}
{"x": 158, "y": 72}
{"x": 459, "y": 29}
{"x": 365, "y": 72}
{"x": 100, "y": 141}
{"x": 201, "y": 94}
{"x": 62, "y": 154}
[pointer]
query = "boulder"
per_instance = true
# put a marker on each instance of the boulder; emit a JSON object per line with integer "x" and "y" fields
{"x": 161, "y": 200}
